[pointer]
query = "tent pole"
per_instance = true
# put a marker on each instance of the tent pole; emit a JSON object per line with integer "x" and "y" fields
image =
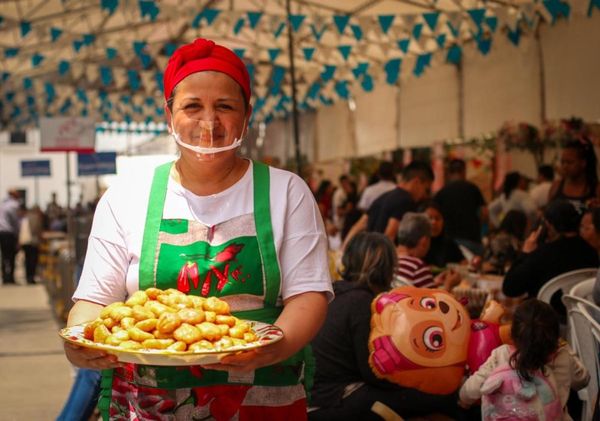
{"x": 294, "y": 90}
{"x": 68, "y": 158}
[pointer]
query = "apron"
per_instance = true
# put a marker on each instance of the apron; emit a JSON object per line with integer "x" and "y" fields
{"x": 236, "y": 260}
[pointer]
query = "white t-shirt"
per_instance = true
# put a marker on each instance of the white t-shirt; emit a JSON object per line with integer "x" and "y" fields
{"x": 540, "y": 193}
{"x": 372, "y": 192}
{"x": 111, "y": 268}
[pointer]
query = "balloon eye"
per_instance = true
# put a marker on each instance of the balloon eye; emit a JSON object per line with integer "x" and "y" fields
{"x": 433, "y": 338}
{"x": 428, "y": 302}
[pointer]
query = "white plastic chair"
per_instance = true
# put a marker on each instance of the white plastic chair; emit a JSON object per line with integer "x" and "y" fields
{"x": 585, "y": 337}
{"x": 564, "y": 282}
{"x": 584, "y": 289}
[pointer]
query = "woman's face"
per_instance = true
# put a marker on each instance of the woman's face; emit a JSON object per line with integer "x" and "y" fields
{"x": 571, "y": 165}
{"x": 208, "y": 110}
{"x": 588, "y": 232}
{"x": 437, "y": 221}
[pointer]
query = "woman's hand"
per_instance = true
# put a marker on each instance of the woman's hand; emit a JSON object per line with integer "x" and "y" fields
{"x": 89, "y": 358}
{"x": 301, "y": 319}
{"x": 448, "y": 279}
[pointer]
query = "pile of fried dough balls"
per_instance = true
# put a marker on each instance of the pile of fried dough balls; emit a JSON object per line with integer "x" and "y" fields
{"x": 169, "y": 320}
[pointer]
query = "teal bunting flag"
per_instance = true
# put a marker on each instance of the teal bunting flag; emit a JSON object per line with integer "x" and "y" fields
{"x": 1, "y": 20}
{"x": 138, "y": 47}
{"x": 55, "y": 33}
{"x": 169, "y": 48}
{"x": 361, "y": 69}
{"x": 279, "y": 30}
{"x": 403, "y": 45}
{"x": 441, "y": 40}
{"x": 557, "y": 8}
{"x": 149, "y": 101}
{"x": 210, "y": 15}
{"x": 341, "y": 21}
{"x": 238, "y": 26}
{"x": 385, "y": 22}
{"x": 392, "y": 70}
{"x": 158, "y": 78}
{"x": 328, "y": 72}
{"x": 313, "y": 91}
{"x": 111, "y": 53}
{"x": 316, "y": 32}
{"x": 454, "y": 54}
{"x": 77, "y": 44}
{"x": 593, "y": 3}
{"x": 416, "y": 32}
{"x": 345, "y": 51}
{"x": 106, "y": 117}
{"x": 11, "y": 52}
{"x": 308, "y": 53}
{"x": 253, "y": 18}
{"x": 30, "y": 101}
{"x": 37, "y": 59}
{"x": 16, "y": 112}
{"x": 63, "y": 67}
{"x": 65, "y": 106}
{"x": 326, "y": 101}
{"x": 149, "y": 8}
{"x": 128, "y": 119}
{"x": 83, "y": 112}
{"x": 125, "y": 99}
{"x": 277, "y": 78}
{"x": 357, "y": 31}
{"x": 134, "y": 79}
{"x": 367, "y": 83}
{"x": 27, "y": 83}
{"x": 197, "y": 19}
{"x": 106, "y": 76}
{"x": 260, "y": 102}
{"x": 341, "y": 88}
{"x": 492, "y": 23}
{"x": 453, "y": 30}
{"x": 110, "y": 5}
{"x": 103, "y": 95}
{"x": 251, "y": 69}
{"x": 431, "y": 19}
{"x": 484, "y": 44}
{"x": 5, "y": 76}
{"x": 10, "y": 96}
{"x": 477, "y": 15}
{"x": 88, "y": 39}
{"x": 25, "y": 28}
{"x": 50, "y": 92}
{"x": 423, "y": 61}
{"x": 296, "y": 21}
{"x": 239, "y": 52}
{"x": 82, "y": 96}
{"x": 514, "y": 36}
{"x": 273, "y": 53}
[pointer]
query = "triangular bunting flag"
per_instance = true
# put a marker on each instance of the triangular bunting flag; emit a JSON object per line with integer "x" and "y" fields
{"x": 276, "y": 79}
{"x": 169, "y": 48}
{"x": 239, "y": 25}
{"x": 106, "y": 76}
{"x": 367, "y": 83}
{"x": 149, "y": 8}
{"x": 25, "y": 28}
{"x": 385, "y": 21}
{"x": 417, "y": 29}
{"x": 341, "y": 21}
{"x": 317, "y": 32}
{"x": 63, "y": 67}
{"x": 514, "y": 36}
{"x": 392, "y": 70}
{"x": 557, "y": 8}
{"x": 88, "y": 39}
{"x": 55, "y": 33}
{"x": 361, "y": 69}
{"x": 210, "y": 15}
{"x": 77, "y": 44}
{"x": 27, "y": 83}
{"x": 341, "y": 88}
{"x": 357, "y": 31}
{"x": 134, "y": 79}
{"x": 82, "y": 96}
{"x": 253, "y": 18}
{"x": 279, "y": 29}
{"x": 484, "y": 44}
{"x": 296, "y": 21}
{"x": 492, "y": 23}
{"x": 37, "y": 59}
{"x": 477, "y": 16}
{"x": 431, "y": 18}
{"x": 423, "y": 61}
{"x": 110, "y": 5}
{"x": 403, "y": 45}
{"x": 239, "y": 52}
{"x": 593, "y": 3}
{"x": 50, "y": 92}
{"x": 308, "y": 53}
{"x": 328, "y": 71}
{"x": 454, "y": 54}
{"x": 345, "y": 51}
{"x": 273, "y": 53}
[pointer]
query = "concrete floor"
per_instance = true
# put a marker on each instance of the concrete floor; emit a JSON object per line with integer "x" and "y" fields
{"x": 35, "y": 376}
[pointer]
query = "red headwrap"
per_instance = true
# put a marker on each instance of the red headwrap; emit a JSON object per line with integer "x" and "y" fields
{"x": 203, "y": 55}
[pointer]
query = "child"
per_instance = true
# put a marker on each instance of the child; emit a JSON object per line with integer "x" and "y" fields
{"x": 537, "y": 353}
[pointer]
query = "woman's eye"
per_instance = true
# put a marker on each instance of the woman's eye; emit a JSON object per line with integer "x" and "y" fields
{"x": 191, "y": 106}
{"x": 433, "y": 338}
{"x": 428, "y": 303}
{"x": 225, "y": 107}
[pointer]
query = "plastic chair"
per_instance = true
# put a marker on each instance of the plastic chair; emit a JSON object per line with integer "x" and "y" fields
{"x": 581, "y": 315}
{"x": 564, "y": 282}
{"x": 584, "y": 289}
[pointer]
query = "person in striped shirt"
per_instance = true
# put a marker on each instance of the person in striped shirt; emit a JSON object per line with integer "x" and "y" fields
{"x": 414, "y": 239}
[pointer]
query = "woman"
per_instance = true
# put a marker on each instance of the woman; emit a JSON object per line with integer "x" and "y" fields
{"x": 579, "y": 181}
{"x": 589, "y": 227}
{"x": 443, "y": 249}
{"x": 345, "y": 387}
{"x": 514, "y": 197}
{"x": 505, "y": 244}
{"x": 220, "y": 211}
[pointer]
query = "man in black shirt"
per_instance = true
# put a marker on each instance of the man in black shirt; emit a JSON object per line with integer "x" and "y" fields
{"x": 385, "y": 213}
{"x": 462, "y": 206}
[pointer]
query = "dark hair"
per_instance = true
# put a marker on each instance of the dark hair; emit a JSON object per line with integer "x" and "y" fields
{"x": 456, "y": 166}
{"x": 511, "y": 182}
{"x": 386, "y": 171}
{"x": 562, "y": 215}
{"x": 585, "y": 152}
{"x": 370, "y": 259}
{"x": 322, "y": 189}
{"x": 515, "y": 223}
{"x": 546, "y": 171}
{"x": 417, "y": 169}
{"x": 595, "y": 218}
{"x": 535, "y": 332}
{"x": 430, "y": 204}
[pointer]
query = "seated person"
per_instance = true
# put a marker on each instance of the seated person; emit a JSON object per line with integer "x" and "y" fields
{"x": 505, "y": 244}
{"x": 443, "y": 249}
{"x": 589, "y": 227}
{"x": 345, "y": 388}
{"x": 414, "y": 238}
{"x": 560, "y": 250}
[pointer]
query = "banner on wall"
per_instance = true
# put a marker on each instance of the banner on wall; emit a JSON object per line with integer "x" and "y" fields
{"x": 101, "y": 163}
{"x": 67, "y": 134}
{"x": 38, "y": 168}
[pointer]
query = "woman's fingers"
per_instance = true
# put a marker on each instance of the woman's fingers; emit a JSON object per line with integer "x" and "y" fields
{"x": 90, "y": 358}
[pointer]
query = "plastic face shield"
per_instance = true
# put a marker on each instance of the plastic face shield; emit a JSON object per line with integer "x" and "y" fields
{"x": 203, "y": 138}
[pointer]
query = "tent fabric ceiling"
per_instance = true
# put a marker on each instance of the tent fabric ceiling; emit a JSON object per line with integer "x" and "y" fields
{"x": 104, "y": 58}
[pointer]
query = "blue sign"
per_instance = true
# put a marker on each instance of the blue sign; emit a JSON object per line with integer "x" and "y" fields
{"x": 99, "y": 163}
{"x": 35, "y": 168}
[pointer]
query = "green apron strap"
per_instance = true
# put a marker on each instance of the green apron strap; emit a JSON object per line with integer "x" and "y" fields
{"x": 156, "y": 202}
{"x": 105, "y": 395}
{"x": 264, "y": 232}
